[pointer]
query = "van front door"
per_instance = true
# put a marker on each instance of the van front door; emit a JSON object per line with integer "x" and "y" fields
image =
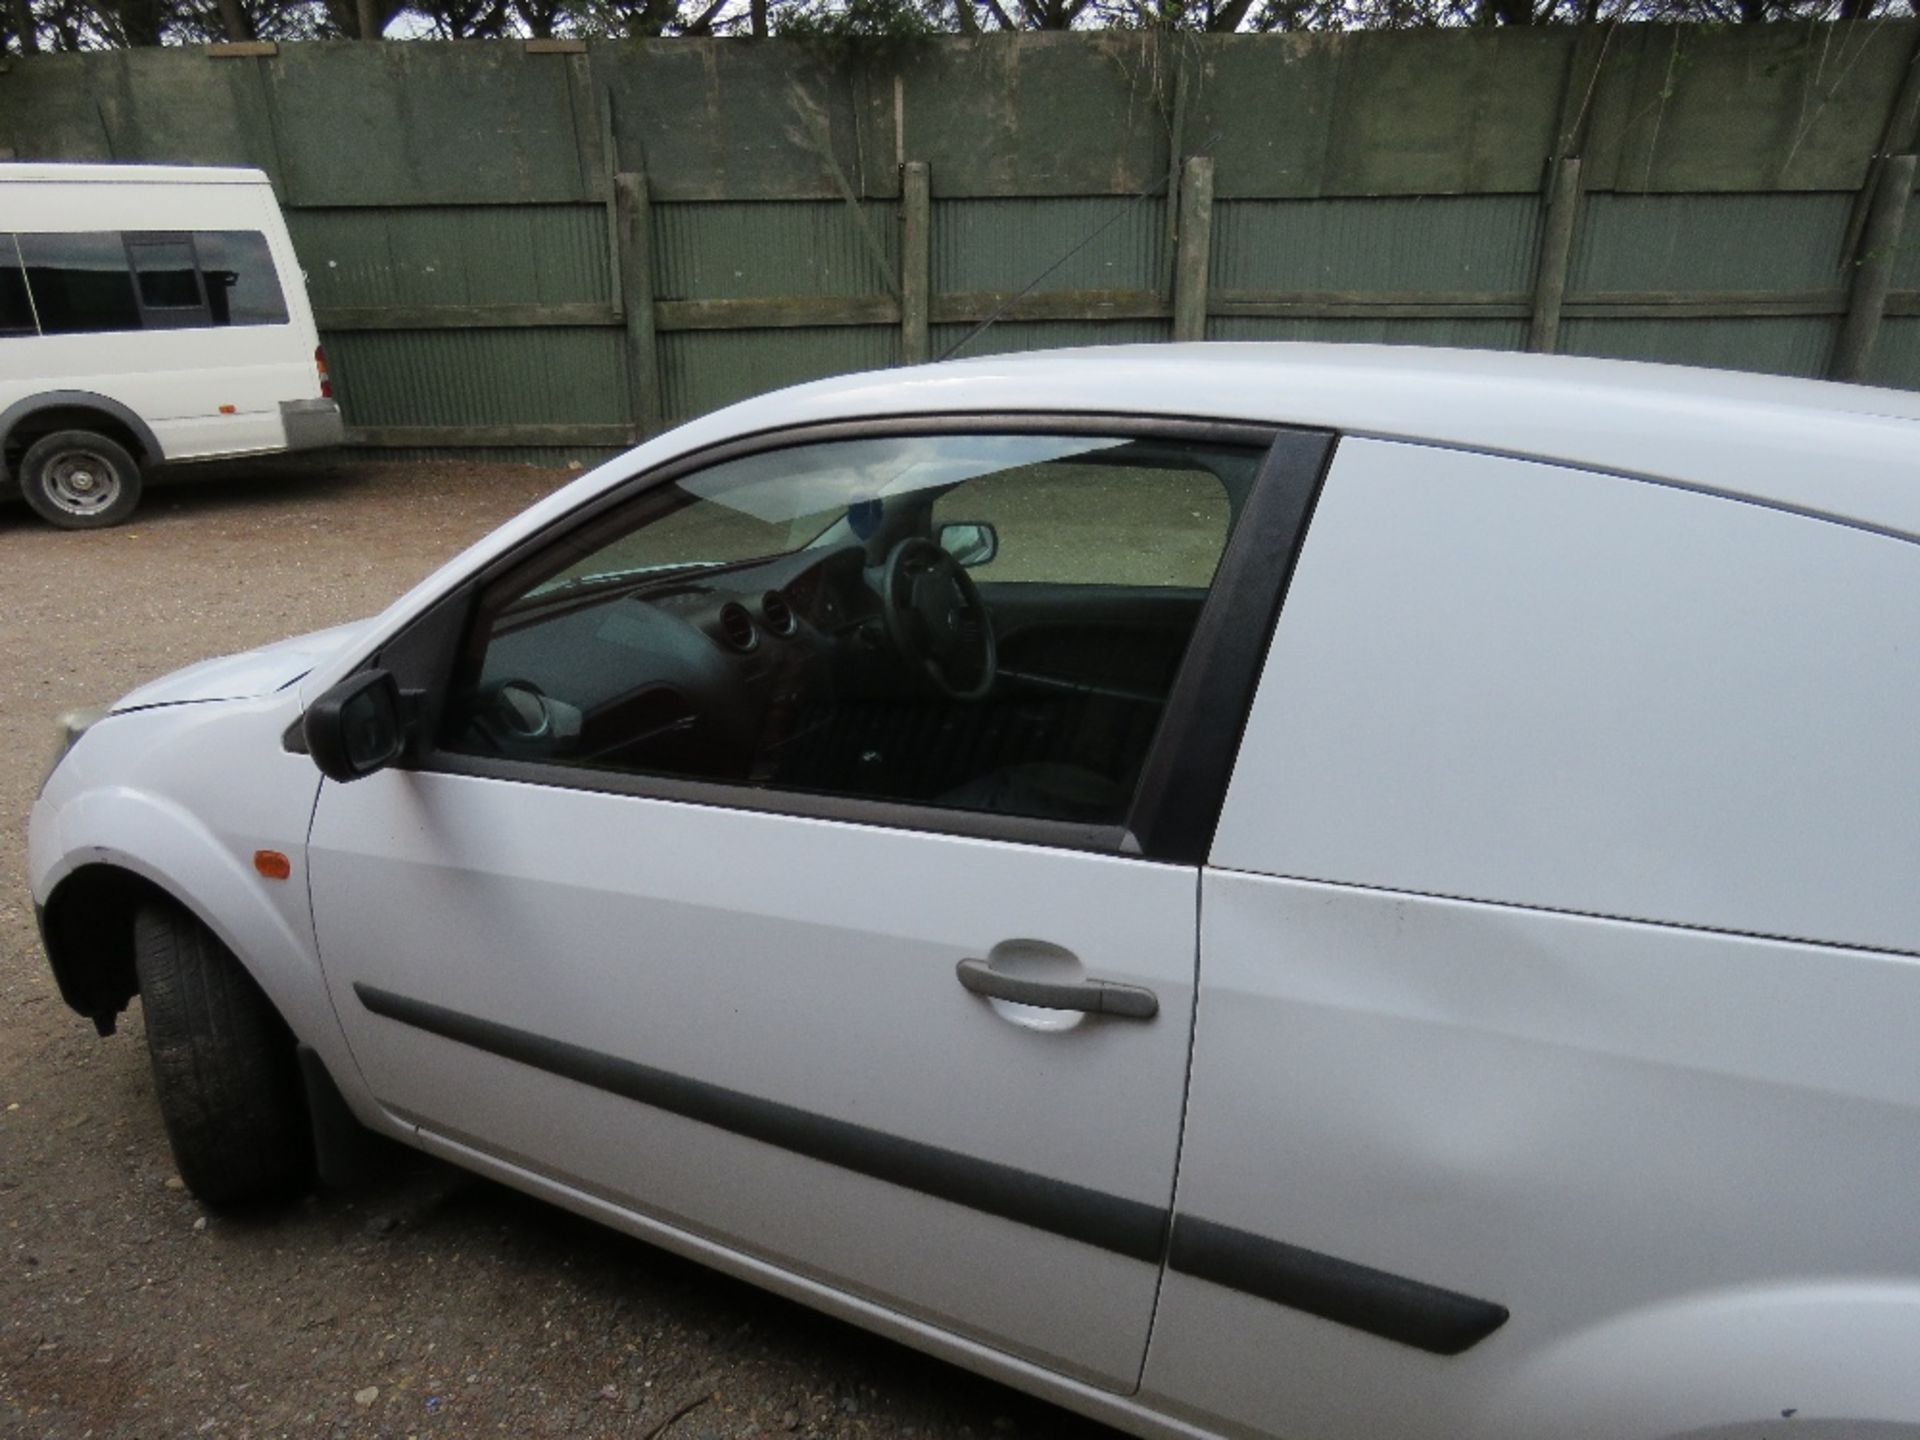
{"x": 746, "y": 893}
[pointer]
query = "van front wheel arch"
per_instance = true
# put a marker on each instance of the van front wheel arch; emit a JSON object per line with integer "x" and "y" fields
{"x": 80, "y": 480}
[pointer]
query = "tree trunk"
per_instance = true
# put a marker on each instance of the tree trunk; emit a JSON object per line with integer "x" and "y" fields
{"x": 141, "y": 21}
{"x": 366, "y": 15}
{"x": 235, "y": 20}
{"x": 1227, "y": 18}
{"x": 25, "y": 27}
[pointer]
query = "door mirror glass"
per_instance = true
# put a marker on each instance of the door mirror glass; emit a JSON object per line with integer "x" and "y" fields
{"x": 355, "y": 728}
{"x": 971, "y": 542}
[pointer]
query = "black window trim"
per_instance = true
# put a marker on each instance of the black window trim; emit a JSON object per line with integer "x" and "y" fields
{"x": 796, "y": 804}
{"x": 19, "y": 263}
{"x": 1183, "y": 786}
{"x": 1178, "y": 799}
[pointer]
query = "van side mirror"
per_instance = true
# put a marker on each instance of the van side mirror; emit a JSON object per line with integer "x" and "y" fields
{"x": 971, "y": 542}
{"x": 356, "y": 727}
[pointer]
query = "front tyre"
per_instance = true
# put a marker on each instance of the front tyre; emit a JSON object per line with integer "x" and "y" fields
{"x": 79, "y": 480}
{"x": 223, "y": 1066}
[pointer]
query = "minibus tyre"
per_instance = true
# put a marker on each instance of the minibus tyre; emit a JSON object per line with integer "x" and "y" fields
{"x": 79, "y": 480}
{"x": 225, "y": 1069}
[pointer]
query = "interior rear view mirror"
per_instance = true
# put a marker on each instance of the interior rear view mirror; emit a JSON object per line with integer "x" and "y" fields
{"x": 971, "y": 542}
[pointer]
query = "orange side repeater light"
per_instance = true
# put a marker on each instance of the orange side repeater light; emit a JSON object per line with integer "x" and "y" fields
{"x": 272, "y": 864}
{"x": 229, "y": 409}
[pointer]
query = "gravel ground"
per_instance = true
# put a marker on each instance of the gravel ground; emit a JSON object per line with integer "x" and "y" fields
{"x": 429, "y": 1303}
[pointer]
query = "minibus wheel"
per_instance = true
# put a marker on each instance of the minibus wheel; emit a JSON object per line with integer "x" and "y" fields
{"x": 79, "y": 480}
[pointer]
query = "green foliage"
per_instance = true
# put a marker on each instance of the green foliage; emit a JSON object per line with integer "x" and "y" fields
{"x": 839, "y": 27}
{"x": 863, "y": 26}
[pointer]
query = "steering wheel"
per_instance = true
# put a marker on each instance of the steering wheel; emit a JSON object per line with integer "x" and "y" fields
{"x": 517, "y": 717}
{"x": 937, "y": 620}
{"x": 516, "y": 711}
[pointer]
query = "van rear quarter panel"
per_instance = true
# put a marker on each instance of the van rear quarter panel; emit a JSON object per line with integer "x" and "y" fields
{"x": 175, "y": 380}
{"x": 1557, "y": 949}
{"x": 1507, "y": 680}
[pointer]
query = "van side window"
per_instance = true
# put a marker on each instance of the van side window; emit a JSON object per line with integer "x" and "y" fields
{"x": 85, "y": 282}
{"x": 80, "y": 281}
{"x": 242, "y": 288}
{"x": 169, "y": 281}
{"x": 16, "y": 313}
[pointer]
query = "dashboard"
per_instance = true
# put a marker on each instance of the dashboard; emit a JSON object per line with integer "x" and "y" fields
{"x": 712, "y": 672}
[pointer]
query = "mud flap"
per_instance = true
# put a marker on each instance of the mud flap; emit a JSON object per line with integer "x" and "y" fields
{"x": 345, "y": 1152}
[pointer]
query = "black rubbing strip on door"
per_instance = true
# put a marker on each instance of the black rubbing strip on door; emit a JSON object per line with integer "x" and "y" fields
{"x": 1410, "y": 1312}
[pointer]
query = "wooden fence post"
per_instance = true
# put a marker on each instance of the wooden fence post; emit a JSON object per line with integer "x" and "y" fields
{"x": 1556, "y": 254}
{"x": 1176, "y": 137}
{"x": 916, "y": 260}
{"x": 610, "y": 188}
{"x": 1898, "y": 136}
{"x": 1194, "y": 250}
{"x": 636, "y": 287}
{"x": 1873, "y": 270}
{"x": 1585, "y": 67}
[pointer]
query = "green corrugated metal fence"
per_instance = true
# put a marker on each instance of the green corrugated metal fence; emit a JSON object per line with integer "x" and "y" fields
{"x": 553, "y": 243}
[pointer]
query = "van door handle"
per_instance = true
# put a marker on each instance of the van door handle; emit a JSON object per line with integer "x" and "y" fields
{"x": 1092, "y": 997}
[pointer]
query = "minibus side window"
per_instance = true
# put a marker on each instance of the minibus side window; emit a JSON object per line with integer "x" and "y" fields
{"x": 80, "y": 282}
{"x": 76, "y": 282}
{"x": 169, "y": 281}
{"x": 242, "y": 288}
{"x": 16, "y": 311}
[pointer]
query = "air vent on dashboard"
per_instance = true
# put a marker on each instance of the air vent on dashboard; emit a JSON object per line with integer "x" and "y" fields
{"x": 777, "y": 613}
{"x": 736, "y": 626}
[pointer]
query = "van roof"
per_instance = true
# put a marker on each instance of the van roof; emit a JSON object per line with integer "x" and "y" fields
{"x": 34, "y": 172}
{"x": 1845, "y": 452}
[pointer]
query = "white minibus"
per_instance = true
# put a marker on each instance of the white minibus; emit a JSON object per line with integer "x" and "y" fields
{"x": 148, "y": 314}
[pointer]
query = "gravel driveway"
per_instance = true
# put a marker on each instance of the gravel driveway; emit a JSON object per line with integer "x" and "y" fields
{"x": 429, "y": 1303}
